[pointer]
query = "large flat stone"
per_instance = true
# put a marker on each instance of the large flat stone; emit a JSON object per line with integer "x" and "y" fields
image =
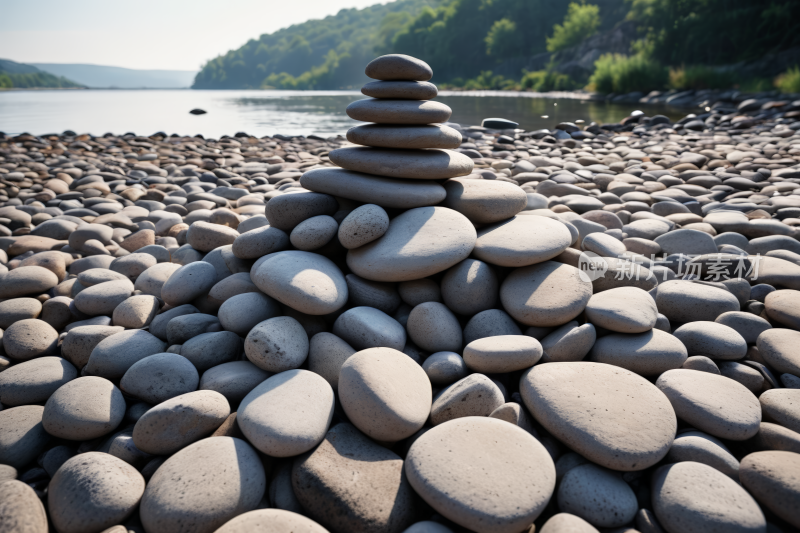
{"x": 430, "y": 164}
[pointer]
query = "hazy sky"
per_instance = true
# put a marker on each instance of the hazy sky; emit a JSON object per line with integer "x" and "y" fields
{"x": 146, "y": 34}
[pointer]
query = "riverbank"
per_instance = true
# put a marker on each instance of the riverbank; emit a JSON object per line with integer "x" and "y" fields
{"x": 178, "y": 309}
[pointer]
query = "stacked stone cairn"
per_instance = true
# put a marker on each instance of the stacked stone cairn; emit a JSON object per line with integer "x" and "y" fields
{"x": 237, "y": 336}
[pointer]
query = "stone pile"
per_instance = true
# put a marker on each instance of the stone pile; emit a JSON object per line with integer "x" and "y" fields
{"x": 422, "y": 328}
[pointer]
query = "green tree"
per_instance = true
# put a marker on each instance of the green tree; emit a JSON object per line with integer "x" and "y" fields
{"x": 5, "y": 81}
{"x": 503, "y": 39}
{"x": 716, "y": 32}
{"x": 582, "y": 21}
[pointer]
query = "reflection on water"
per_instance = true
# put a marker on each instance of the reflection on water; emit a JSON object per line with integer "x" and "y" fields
{"x": 264, "y": 112}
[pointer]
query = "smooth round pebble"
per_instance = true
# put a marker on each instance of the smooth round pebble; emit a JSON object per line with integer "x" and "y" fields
{"x": 509, "y": 483}
{"x": 597, "y": 495}
{"x": 287, "y": 414}
{"x": 305, "y": 281}
{"x": 277, "y": 344}
{"x": 504, "y": 353}
{"x": 546, "y": 294}
{"x": 384, "y": 393}
{"x": 623, "y": 309}
{"x": 180, "y": 421}
{"x": 714, "y": 404}
{"x": 159, "y": 377}
{"x": 84, "y": 409}
{"x": 92, "y": 492}
{"x": 180, "y": 499}
{"x": 271, "y": 521}
{"x": 611, "y": 416}
{"x": 694, "y": 497}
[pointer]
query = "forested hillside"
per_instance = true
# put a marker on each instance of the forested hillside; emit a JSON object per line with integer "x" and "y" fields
{"x": 15, "y": 75}
{"x": 464, "y": 40}
{"x": 329, "y": 53}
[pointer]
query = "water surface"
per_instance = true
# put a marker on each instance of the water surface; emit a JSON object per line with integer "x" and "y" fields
{"x": 268, "y": 112}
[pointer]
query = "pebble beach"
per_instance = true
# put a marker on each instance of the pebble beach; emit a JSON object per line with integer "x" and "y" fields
{"x": 419, "y": 327}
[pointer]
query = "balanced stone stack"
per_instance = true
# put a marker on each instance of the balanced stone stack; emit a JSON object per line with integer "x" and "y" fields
{"x": 235, "y": 335}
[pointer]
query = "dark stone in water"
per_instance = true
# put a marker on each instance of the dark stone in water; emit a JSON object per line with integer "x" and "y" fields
{"x": 198, "y": 111}
{"x": 499, "y": 124}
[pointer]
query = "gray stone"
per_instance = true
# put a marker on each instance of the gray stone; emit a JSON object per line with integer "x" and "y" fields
{"x": 509, "y": 485}
{"x": 412, "y": 112}
{"x": 179, "y": 499}
{"x": 703, "y": 448}
{"x": 521, "y": 241}
{"x": 419, "y": 243}
{"x": 609, "y": 415}
{"x": 326, "y": 355}
{"x": 188, "y": 282}
{"x": 349, "y": 483}
{"x": 713, "y": 404}
{"x": 624, "y": 310}
{"x": 187, "y": 326}
{"x": 180, "y": 421}
{"x": 474, "y": 395}
{"x": 505, "y": 353}
{"x": 259, "y": 242}
{"x": 114, "y": 355}
{"x": 152, "y": 280}
{"x": 560, "y": 294}
{"x": 305, "y": 281}
{"x": 712, "y": 339}
{"x": 370, "y": 189}
{"x": 234, "y": 380}
{"x": 158, "y": 327}
{"x": 470, "y": 287}
{"x": 287, "y": 414}
{"x": 84, "y": 409}
{"x": 28, "y": 339}
{"x": 288, "y": 210}
{"x": 771, "y": 477}
{"x": 444, "y": 368}
{"x": 277, "y": 344}
{"x": 103, "y": 298}
{"x": 34, "y": 381}
{"x": 16, "y": 309}
{"x": 384, "y": 393}
{"x": 77, "y": 346}
{"x": 21, "y": 511}
{"x": 276, "y": 520}
{"x": 684, "y": 301}
{"x": 490, "y": 323}
{"x": 92, "y": 492}
{"x": 204, "y": 236}
{"x": 367, "y": 327}
{"x": 398, "y": 67}
{"x": 690, "y": 496}
{"x": 159, "y": 377}
{"x": 569, "y": 342}
{"x": 597, "y": 495}
{"x": 433, "y": 327}
{"x": 484, "y": 202}
{"x": 647, "y": 354}
{"x": 782, "y": 406}
{"x": 22, "y": 435}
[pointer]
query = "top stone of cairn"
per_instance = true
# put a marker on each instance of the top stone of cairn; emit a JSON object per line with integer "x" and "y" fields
{"x": 394, "y": 67}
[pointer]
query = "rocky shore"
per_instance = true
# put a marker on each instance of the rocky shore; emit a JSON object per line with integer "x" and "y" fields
{"x": 423, "y": 327}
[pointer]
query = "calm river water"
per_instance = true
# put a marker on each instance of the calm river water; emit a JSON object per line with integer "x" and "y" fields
{"x": 267, "y": 112}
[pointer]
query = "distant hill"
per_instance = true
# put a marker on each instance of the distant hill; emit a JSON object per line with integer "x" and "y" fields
{"x": 327, "y": 53}
{"x": 15, "y": 75}
{"x": 104, "y": 77}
